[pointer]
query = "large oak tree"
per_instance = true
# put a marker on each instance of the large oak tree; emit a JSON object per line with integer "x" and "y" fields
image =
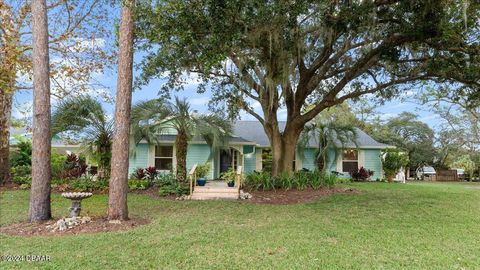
{"x": 286, "y": 55}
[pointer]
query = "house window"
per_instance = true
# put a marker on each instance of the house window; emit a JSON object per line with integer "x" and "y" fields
{"x": 234, "y": 153}
{"x": 164, "y": 157}
{"x": 350, "y": 160}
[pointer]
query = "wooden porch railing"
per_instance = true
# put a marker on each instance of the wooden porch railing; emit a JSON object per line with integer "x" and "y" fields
{"x": 192, "y": 176}
{"x": 239, "y": 179}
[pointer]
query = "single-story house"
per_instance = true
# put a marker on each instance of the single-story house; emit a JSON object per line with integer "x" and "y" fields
{"x": 58, "y": 145}
{"x": 246, "y": 147}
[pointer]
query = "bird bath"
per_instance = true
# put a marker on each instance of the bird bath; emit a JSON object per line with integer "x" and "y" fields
{"x": 76, "y": 198}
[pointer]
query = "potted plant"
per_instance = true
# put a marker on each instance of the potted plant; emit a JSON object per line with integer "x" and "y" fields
{"x": 202, "y": 172}
{"x": 229, "y": 176}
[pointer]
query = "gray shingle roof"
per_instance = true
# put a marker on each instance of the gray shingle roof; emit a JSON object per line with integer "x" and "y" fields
{"x": 253, "y": 131}
{"x": 171, "y": 138}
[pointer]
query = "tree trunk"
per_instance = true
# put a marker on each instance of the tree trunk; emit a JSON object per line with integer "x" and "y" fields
{"x": 6, "y": 108}
{"x": 181, "y": 145}
{"x": 118, "y": 186}
{"x": 41, "y": 144}
{"x": 283, "y": 148}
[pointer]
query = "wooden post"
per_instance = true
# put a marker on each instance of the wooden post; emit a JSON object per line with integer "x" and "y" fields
{"x": 192, "y": 176}
{"x": 239, "y": 179}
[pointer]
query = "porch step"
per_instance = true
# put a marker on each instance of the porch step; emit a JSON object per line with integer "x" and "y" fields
{"x": 207, "y": 189}
{"x": 200, "y": 196}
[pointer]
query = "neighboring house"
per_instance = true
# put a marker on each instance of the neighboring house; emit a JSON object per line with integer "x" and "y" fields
{"x": 246, "y": 148}
{"x": 58, "y": 145}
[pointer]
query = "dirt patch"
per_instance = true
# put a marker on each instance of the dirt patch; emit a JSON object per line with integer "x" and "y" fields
{"x": 295, "y": 196}
{"x": 97, "y": 225}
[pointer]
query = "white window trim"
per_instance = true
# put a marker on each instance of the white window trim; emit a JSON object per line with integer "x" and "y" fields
{"x": 152, "y": 157}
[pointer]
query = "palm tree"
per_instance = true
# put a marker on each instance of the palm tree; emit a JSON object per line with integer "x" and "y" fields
{"x": 155, "y": 117}
{"x": 85, "y": 116}
{"x": 328, "y": 135}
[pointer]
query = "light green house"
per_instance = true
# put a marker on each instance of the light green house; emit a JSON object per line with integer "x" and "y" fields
{"x": 246, "y": 148}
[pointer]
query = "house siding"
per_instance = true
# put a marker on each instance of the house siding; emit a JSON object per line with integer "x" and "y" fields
{"x": 331, "y": 162}
{"x": 250, "y": 160}
{"x": 199, "y": 154}
{"x": 138, "y": 159}
{"x": 308, "y": 160}
{"x": 258, "y": 159}
{"x": 373, "y": 162}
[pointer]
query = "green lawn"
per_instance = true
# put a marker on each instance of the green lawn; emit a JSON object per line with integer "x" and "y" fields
{"x": 386, "y": 226}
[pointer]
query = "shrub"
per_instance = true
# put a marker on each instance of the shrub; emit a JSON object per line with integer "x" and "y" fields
{"x": 151, "y": 173}
{"x": 22, "y": 155}
{"x": 392, "y": 161}
{"x": 139, "y": 184}
{"x": 75, "y": 167}
{"x": 168, "y": 185}
{"x": 259, "y": 181}
{"x": 88, "y": 183}
{"x": 138, "y": 174}
{"x": 164, "y": 179}
{"x": 202, "y": 170}
{"x": 300, "y": 180}
{"x": 229, "y": 175}
{"x": 177, "y": 189}
{"x": 361, "y": 174}
{"x": 58, "y": 163}
{"x": 22, "y": 174}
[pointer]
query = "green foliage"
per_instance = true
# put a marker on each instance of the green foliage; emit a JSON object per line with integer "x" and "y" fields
{"x": 466, "y": 163}
{"x": 85, "y": 117}
{"x": 22, "y": 155}
{"x": 202, "y": 170}
{"x": 392, "y": 161}
{"x": 168, "y": 185}
{"x": 139, "y": 184}
{"x": 340, "y": 49}
{"x": 300, "y": 180}
{"x": 177, "y": 189}
{"x": 164, "y": 179}
{"x": 229, "y": 175}
{"x": 267, "y": 160}
{"x": 412, "y": 136}
{"x": 22, "y": 175}
{"x": 88, "y": 183}
{"x": 328, "y": 132}
{"x": 160, "y": 116}
{"x": 58, "y": 163}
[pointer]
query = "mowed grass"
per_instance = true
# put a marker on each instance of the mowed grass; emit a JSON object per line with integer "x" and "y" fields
{"x": 386, "y": 226}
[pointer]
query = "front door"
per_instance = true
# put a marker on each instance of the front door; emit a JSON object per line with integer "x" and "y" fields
{"x": 225, "y": 160}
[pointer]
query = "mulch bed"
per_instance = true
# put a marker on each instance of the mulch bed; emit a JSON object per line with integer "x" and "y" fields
{"x": 97, "y": 225}
{"x": 295, "y": 196}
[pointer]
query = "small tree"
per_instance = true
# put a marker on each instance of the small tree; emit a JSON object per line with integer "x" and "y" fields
{"x": 466, "y": 163}
{"x": 86, "y": 117}
{"x": 392, "y": 161}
